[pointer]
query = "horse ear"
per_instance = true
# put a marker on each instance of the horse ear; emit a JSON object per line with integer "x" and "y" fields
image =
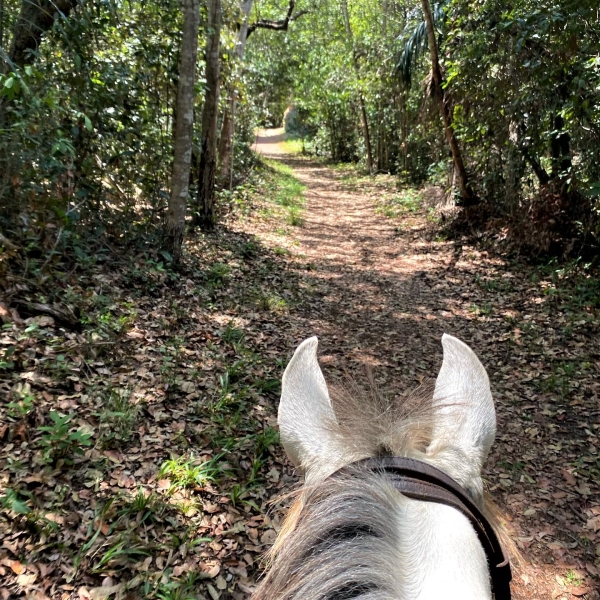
{"x": 465, "y": 415}
{"x": 305, "y": 414}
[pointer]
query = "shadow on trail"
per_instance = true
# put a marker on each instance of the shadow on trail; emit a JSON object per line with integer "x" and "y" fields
{"x": 382, "y": 296}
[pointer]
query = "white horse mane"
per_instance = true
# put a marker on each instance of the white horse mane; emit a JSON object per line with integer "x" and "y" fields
{"x": 356, "y": 537}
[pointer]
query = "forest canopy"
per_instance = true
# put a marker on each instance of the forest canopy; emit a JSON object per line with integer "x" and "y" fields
{"x": 498, "y": 104}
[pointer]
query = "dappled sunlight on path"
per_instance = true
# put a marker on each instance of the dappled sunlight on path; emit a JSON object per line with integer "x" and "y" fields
{"x": 381, "y": 293}
{"x": 267, "y": 141}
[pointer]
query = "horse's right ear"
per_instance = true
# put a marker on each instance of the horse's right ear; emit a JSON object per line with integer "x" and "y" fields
{"x": 465, "y": 414}
{"x": 305, "y": 414}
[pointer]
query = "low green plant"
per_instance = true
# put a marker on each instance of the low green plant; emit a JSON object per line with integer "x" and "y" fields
{"x": 481, "y": 311}
{"x": 59, "y": 440}
{"x": 5, "y": 355}
{"x": 143, "y": 507}
{"x": 559, "y": 380}
{"x": 271, "y": 302}
{"x": 12, "y": 500}
{"x": 172, "y": 589}
{"x": 267, "y": 386}
{"x": 233, "y": 334}
{"x": 22, "y": 404}
{"x": 268, "y": 437}
{"x": 187, "y": 472}
{"x": 572, "y": 578}
{"x": 294, "y": 217}
{"x": 408, "y": 200}
{"x": 124, "y": 548}
{"x": 118, "y": 417}
{"x": 217, "y": 274}
{"x": 249, "y": 249}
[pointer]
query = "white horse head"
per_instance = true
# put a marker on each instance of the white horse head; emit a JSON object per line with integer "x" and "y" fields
{"x": 359, "y": 538}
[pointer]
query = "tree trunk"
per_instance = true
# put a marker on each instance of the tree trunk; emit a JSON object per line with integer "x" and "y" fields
{"x": 184, "y": 130}
{"x": 361, "y": 99}
{"x": 539, "y": 171}
{"x": 205, "y": 216}
{"x": 560, "y": 149}
{"x": 226, "y": 141}
{"x": 468, "y": 197}
{"x": 2, "y": 24}
{"x": 35, "y": 19}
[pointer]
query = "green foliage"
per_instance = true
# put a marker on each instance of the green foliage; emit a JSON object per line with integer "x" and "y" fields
{"x": 118, "y": 416}
{"x": 22, "y": 404}
{"x": 233, "y": 335}
{"x": 178, "y": 590}
{"x": 522, "y": 82}
{"x": 408, "y": 200}
{"x": 217, "y": 274}
{"x": 188, "y": 472}
{"x": 12, "y": 501}
{"x": 58, "y": 440}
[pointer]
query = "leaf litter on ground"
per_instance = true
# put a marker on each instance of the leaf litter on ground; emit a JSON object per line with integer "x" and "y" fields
{"x": 141, "y": 455}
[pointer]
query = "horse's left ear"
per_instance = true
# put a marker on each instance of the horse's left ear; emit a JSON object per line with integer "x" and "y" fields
{"x": 465, "y": 414}
{"x": 305, "y": 415}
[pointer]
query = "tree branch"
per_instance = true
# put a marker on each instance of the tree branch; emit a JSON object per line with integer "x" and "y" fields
{"x": 281, "y": 25}
{"x": 34, "y": 20}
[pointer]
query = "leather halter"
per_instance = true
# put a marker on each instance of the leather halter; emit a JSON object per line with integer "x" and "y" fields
{"x": 421, "y": 481}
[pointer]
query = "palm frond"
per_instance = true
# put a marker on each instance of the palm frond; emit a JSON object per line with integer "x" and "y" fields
{"x": 415, "y": 44}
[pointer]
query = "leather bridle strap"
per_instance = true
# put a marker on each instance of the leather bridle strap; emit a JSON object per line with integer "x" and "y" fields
{"x": 422, "y": 481}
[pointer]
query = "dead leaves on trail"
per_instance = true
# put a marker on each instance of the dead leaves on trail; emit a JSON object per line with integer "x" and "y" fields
{"x": 140, "y": 454}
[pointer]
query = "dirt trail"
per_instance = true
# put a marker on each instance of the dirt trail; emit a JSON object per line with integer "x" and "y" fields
{"x": 383, "y": 295}
{"x": 376, "y": 282}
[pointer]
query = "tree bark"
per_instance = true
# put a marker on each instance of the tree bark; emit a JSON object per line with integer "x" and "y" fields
{"x": 226, "y": 140}
{"x": 539, "y": 171}
{"x": 35, "y": 19}
{"x": 184, "y": 130}
{"x": 280, "y": 25}
{"x": 361, "y": 99}
{"x": 467, "y": 195}
{"x": 560, "y": 149}
{"x": 205, "y": 216}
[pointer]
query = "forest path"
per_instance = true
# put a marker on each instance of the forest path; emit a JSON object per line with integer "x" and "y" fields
{"x": 373, "y": 280}
{"x": 381, "y": 292}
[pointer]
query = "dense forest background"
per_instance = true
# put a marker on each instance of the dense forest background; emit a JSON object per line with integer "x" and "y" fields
{"x": 499, "y": 105}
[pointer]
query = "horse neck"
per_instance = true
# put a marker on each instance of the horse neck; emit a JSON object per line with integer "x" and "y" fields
{"x": 439, "y": 554}
{"x": 360, "y": 538}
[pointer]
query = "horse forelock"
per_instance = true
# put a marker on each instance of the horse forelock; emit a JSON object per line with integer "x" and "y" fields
{"x": 370, "y": 423}
{"x": 339, "y": 538}
{"x": 338, "y": 542}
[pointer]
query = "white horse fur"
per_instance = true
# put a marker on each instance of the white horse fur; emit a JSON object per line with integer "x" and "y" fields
{"x": 357, "y": 537}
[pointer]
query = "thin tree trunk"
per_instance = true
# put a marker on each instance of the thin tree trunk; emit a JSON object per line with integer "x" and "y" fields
{"x": 35, "y": 19}
{"x": 468, "y": 197}
{"x": 184, "y": 130}
{"x": 1, "y": 23}
{"x": 226, "y": 140}
{"x": 539, "y": 171}
{"x": 560, "y": 149}
{"x": 361, "y": 99}
{"x": 404, "y": 129}
{"x": 205, "y": 216}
